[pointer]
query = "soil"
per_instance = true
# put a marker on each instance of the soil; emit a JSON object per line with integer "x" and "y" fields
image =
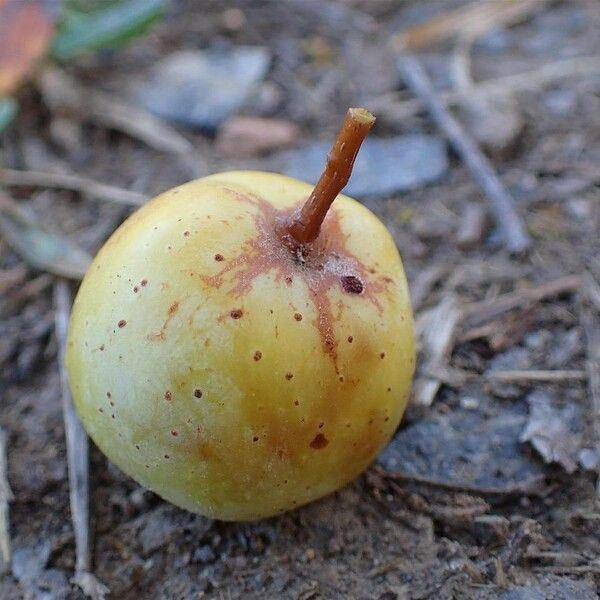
{"x": 455, "y": 520}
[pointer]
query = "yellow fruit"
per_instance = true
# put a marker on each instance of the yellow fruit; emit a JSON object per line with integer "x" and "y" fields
{"x": 228, "y": 373}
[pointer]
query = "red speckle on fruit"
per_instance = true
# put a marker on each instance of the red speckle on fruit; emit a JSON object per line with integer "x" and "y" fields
{"x": 122, "y": 323}
{"x": 174, "y": 433}
{"x": 168, "y": 395}
{"x": 298, "y": 316}
{"x": 198, "y": 393}
{"x": 237, "y": 313}
{"x": 173, "y": 309}
{"x": 257, "y": 355}
{"x": 288, "y": 376}
{"x": 352, "y": 284}
{"x": 382, "y": 355}
{"x": 319, "y": 442}
{"x": 289, "y": 280}
{"x": 350, "y": 339}
{"x": 219, "y": 257}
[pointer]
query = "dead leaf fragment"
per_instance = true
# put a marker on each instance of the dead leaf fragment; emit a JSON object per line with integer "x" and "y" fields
{"x": 26, "y": 28}
{"x": 248, "y": 136}
{"x": 551, "y": 431}
{"x": 41, "y": 249}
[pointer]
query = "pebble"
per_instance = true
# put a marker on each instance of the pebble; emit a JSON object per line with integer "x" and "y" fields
{"x": 203, "y": 88}
{"x": 383, "y": 167}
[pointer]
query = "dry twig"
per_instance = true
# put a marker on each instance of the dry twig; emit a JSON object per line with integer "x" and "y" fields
{"x": 501, "y": 204}
{"x": 82, "y": 185}
{"x": 77, "y": 455}
{"x": 5, "y": 498}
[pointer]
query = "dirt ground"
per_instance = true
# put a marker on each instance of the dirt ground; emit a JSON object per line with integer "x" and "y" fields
{"x": 461, "y": 506}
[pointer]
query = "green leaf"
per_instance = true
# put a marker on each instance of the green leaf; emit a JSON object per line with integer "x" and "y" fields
{"x": 41, "y": 249}
{"x": 106, "y": 28}
{"x": 8, "y": 110}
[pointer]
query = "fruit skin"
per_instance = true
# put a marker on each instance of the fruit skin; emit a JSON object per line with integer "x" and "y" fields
{"x": 203, "y": 365}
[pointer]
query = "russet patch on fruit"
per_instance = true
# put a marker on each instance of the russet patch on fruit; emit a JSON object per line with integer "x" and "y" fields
{"x": 235, "y": 355}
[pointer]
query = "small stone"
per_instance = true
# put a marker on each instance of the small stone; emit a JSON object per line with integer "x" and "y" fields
{"x": 382, "y": 167}
{"x": 203, "y": 88}
{"x": 248, "y": 136}
{"x": 28, "y": 562}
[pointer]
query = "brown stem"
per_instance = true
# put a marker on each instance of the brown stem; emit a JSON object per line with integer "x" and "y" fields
{"x": 305, "y": 225}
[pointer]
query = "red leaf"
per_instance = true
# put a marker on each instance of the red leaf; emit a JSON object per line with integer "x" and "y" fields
{"x": 26, "y": 28}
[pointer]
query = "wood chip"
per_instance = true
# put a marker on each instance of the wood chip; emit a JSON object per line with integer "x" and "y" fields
{"x": 435, "y": 328}
{"x": 473, "y": 226}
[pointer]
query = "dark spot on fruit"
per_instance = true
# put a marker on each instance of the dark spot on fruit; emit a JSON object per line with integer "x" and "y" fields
{"x": 168, "y": 395}
{"x": 101, "y": 410}
{"x": 136, "y": 289}
{"x": 236, "y": 313}
{"x": 341, "y": 379}
{"x": 122, "y": 323}
{"x": 167, "y": 456}
{"x": 382, "y": 355}
{"x": 186, "y": 233}
{"x": 255, "y": 438}
{"x": 389, "y": 389}
{"x": 173, "y": 309}
{"x": 111, "y": 403}
{"x": 352, "y": 284}
{"x": 371, "y": 421}
{"x": 321, "y": 425}
{"x": 174, "y": 433}
{"x": 319, "y": 441}
{"x": 298, "y": 316}
{"x": 137, "y": 446}
{"x": 350, "y": 339}
{"x": 386, "y": 419}
{"x": 257, "y": 355}
{"x": 219, "y": 257}
{"x": 101, "y": 348}
{"x": 108, "y": 395}
{"x": 144, "y": 282}
{"x": 296, "y": 402}
{"x": 288, "y": 376}
{"x": 288, "y": 280}
{"x": 112, "y": 416}
{"x": 198, "y": 393}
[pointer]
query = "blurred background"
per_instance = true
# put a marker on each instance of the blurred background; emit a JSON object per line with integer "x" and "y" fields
{"x": 484, "y": 165}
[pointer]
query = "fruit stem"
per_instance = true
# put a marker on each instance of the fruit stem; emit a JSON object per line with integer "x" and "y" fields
{"x": 306, "y": 224}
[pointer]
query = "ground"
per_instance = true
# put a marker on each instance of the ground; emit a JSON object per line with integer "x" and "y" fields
{"x": 458, "y": 507}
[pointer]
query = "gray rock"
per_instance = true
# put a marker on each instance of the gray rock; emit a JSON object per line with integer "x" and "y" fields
{"x": 28, "y": 562}
{"x": 383, "y": 166}
{"x": 465, "y": 447}
{"x": 203, "y": 88}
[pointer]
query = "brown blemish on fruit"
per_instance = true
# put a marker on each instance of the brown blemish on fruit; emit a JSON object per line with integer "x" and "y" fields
{"x": 198, "y": 393}
{"x": 255, "y": 438}
{"x": 161, "y": 335}
{"x": 289, "y": 376}
{"x": 352, "y": 284}
{"x": 186, "y": 233}
{"x": 296, "y": 402}
{"x": 136, "y": 289}
{"x": 219, "y": 257}
{"x": 319, "y": 442}
{"x": 298, "y": 316}
{"x": 174, "y": 433}
{"x": 121, "y": 323}
{"x": 257, "y": 355}
{"x": 168, "y": 395}
{"x": 323, "y": 265}
{"x": 382, "y": 355}
{"x": 144, "y": 282}
{"x": 350, "y": 339}
{"x": 237, "y": 313}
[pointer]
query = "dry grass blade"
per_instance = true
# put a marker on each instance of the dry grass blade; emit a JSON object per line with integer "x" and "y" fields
{"x": 473, "y": 20}
{"x": 82, "y": 185}
{"x": 64, "y": 94}
{"x": 77, "y": 454}
{"x": 530, "y": 376}
{"x": 41, "y": 249}
{"x": 5, "y": 497}
{"x": 500, "y": 202}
